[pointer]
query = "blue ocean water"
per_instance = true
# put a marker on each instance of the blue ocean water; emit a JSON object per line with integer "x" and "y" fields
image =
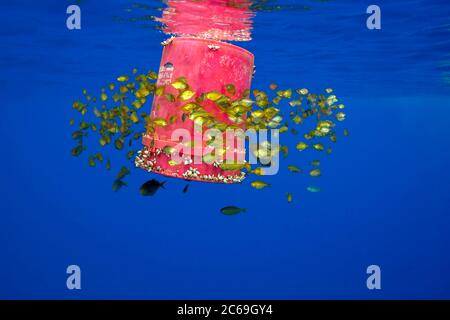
{"x": 384, "y": 197}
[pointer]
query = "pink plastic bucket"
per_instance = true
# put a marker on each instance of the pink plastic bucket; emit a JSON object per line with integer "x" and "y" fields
{"x": 207, "y": 65}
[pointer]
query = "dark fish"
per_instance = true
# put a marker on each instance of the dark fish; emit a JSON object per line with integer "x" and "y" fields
{"x": 91, "y": 161}
{"x": 98, "y": 156}
{"x": 232, "y": 210}
{"x": 84, "y": 125}
{"x": 124, "y": 171}
{"x": 137, "y": 135}
{"x": 130, "y": 154}
{"x": 77, "y": 150}
{"x": 76, "y": 135}
{"x": 118, "y": 184}
{"x": 119, "y": 144}
{"x": 150, "y": 187}
{"x": 185, "y": 189}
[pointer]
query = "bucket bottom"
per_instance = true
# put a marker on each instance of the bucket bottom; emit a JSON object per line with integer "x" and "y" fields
{"x": 154, "y": 160}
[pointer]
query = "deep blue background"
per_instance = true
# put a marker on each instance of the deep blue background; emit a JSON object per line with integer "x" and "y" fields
{"x": 385, "y": 192}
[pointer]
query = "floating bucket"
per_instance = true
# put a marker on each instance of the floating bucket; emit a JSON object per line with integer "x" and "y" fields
{"x": 208, "y": 65}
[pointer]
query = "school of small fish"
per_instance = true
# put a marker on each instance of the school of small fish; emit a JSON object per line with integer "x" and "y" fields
{"x": 116, "y": 119}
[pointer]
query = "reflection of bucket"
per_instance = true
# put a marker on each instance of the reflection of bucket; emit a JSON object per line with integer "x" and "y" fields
{"x": 208, "y": 66}
{"x": 209, "y": 19}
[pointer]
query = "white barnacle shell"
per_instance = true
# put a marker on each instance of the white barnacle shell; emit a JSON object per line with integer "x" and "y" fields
{"x": 213, "y": 47}
{"x": 167, "y": 42}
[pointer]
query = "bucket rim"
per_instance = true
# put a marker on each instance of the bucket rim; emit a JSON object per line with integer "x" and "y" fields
{"x": 215, "y": 42}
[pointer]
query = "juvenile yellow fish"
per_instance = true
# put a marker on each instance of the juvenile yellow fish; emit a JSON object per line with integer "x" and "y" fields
{"x": 179, "y": 85}
{"x": 289, "y": 197}
{"x": 172, "y": 163}
{"x": 213, "y": 95}
{"x": 170, "y": 97}
{"x": 189, "y": 107}
{"x": 315, "y": 173}
{"x": 123, "y": 78}
{"x": 295, "y": 103}
{"x": 318, "y": 147}
{"x": 297, "y": 119}
{"x": 283, "y": 129}
{"x": 160, "y": 122}
{"x": 284, "y": 150}
{"x": 137, "y": 104}
{"x": 234, "y": 166}
{"x": 276, "y": 100}
{"x": 257, "y": 184}
{"x": 172, "y": 119}
{"x": 294, "y": 169}
{"x": 258, "y": 171}
{"x": 186, "y": 95}
{"x": 340, "y": 116}
{"x": 271, "y": 112}
{"x": 303, "y": 91}
{"x": 160, "y": 91}
{"x": 152, "y": 75}
{"x": 134, "y": 117}
{"x": 257, "y": 114}
{"x": 331, "y": 99}
{"x": 287, "y": 93}
{"x": 231, "y": 89}
{"x": 168, "y": 150}
{"x": 315, "y": 163}
{"x": 301, "y": 146}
